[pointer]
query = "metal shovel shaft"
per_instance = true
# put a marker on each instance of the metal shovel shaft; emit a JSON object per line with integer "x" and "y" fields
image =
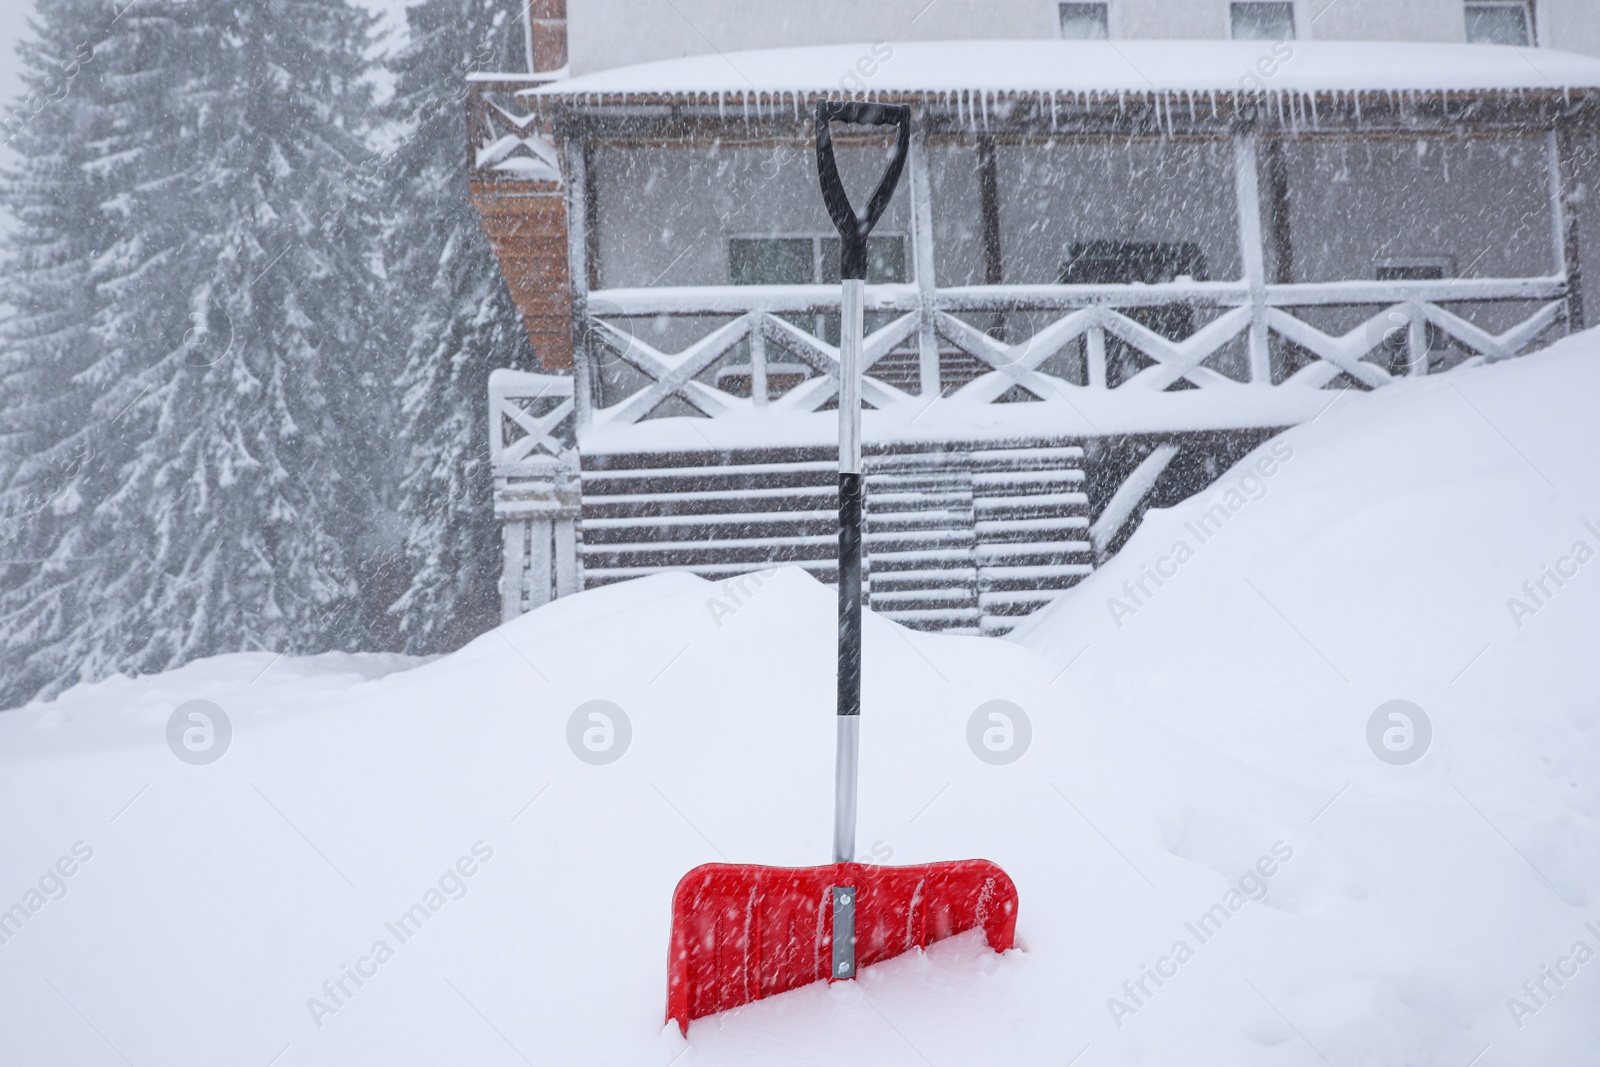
{"x": 847, "y": 760}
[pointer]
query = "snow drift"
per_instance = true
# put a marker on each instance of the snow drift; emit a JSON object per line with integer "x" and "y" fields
{"x": 400, "y": 861}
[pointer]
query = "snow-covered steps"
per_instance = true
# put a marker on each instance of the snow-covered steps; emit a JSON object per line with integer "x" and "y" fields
{"x": 715, "y": 514}
{"x": 1031, "y": 526}
{"x": 960, "y": 538}
{"x": 920, "y": 564}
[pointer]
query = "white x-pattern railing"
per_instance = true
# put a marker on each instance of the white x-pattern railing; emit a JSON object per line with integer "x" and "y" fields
{"x": 682, "y": 374}
{"x": 519, "y": 433}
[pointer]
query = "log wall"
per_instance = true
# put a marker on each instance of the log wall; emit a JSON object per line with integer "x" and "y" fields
{"x": 527, "y": 226}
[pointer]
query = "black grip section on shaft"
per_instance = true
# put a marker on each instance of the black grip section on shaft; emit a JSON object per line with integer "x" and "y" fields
{"x": 853, "y": 227}
{"x": 849, "y": 594}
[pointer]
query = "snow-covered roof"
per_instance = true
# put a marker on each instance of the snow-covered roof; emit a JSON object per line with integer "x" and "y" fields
{"x": 1050, "y": 66}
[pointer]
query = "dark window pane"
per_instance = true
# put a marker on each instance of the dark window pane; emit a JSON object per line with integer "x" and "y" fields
{"x": 1409, "y": 272}
{"x": 1083, "y": 22}
{"x": 1127, "y": 262}
{"x": 771, "y": 261}
{"x": 1150, "y": 263}
{"x": 1498, "y": 24}
{"x": 1254, "y": 21}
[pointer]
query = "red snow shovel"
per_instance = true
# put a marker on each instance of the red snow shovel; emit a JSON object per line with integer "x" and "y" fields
{"x": 741, "y": 932}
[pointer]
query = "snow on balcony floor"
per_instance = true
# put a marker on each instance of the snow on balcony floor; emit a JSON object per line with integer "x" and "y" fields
{"x": 1100, "y": 67}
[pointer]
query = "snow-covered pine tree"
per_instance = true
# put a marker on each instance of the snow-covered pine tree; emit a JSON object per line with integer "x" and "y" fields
{"x": 239, "y": 382}
{"x": 53, "y": 460}
{"x": 462, "y": 325}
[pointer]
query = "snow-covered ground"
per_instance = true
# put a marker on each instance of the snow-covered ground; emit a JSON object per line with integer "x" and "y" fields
{"x": 1196, "y": 744}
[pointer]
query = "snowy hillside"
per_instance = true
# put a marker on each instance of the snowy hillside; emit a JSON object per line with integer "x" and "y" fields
{"x": 1214, "y": 867}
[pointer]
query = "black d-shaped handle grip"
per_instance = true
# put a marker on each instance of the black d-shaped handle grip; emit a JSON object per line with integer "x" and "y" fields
{"x": 853, "y": 227}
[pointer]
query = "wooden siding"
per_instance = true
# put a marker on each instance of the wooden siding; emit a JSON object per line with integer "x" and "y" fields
{"x": 527, "y": 227}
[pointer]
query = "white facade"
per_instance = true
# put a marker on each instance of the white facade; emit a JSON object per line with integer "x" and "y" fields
{"x": 604, "y": 34}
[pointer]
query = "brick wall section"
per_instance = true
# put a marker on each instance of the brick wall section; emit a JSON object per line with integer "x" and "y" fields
{"x": 549, "y": 33}
{"x": 527, "y": 226}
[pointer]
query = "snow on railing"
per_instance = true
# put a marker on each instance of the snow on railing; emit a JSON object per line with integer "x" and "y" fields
{"x": 505, "y": 139}
{"x": 529, "y": 417}
{"x": 1095, "y": 316}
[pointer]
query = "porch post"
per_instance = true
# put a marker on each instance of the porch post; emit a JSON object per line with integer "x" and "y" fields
{"x": 1564, "y": 221}
{"x": 989, "y": 209}
{"x": 578, "y": 274}
{"x": 1095, "y": 356}
{"x": 1278, "y": 212}
{"x": 922, "y": 257}
{"x": 758, "y": 360}
{"x": 564, "y": 526}
{"x": 1247, "y": 196}
{"x": 513, "y": 563}
{"x": 527, "y": 37}
{"x": 1416, "y": 344}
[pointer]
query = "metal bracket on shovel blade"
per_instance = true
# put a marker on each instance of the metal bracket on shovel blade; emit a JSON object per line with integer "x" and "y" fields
{"x": 844, "y": 931}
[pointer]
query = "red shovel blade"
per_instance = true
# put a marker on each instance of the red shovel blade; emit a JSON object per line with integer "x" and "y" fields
{"x": 742, "y": 932}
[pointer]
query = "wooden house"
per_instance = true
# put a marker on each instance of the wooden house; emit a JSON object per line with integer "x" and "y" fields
{"x": 1114, "y": 267}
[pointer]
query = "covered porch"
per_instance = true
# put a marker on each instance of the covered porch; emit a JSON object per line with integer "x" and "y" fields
{"x": 1113, "y": 268}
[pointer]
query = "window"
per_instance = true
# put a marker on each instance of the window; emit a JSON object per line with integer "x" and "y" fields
{"x": 1499, "y": 22}
{"x": 1260, "y": 20}
{"x": 1086, "y": 21}
{"x": 802, "y": 260}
